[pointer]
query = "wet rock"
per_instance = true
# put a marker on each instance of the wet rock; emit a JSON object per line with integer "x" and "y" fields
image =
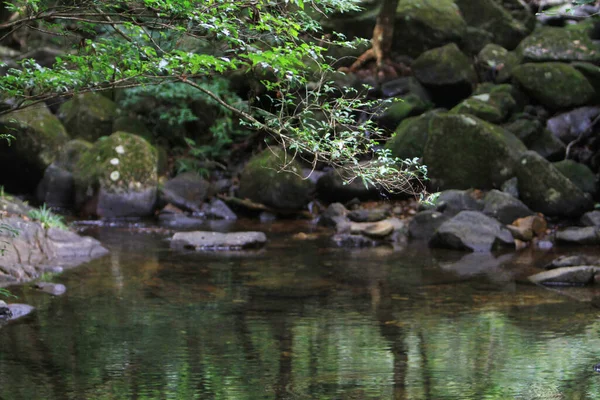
{"x": 353, "y": 240}
{"x": 5, "y": 313}
{"x": 333, "y": 215}
{"x": 187, "y": 191}
{"x": 219, "y": 209}
{"x": 495, "y": 63}
{"x": 424, "y": 224}
{"x": 589, "y": 235}
{"x": 368, "y": 215}
{"x": 273, "y": 178}
{"x": 482, "y": 155}
{"x": 117, "y": 177}
{"x": 570, "y": 125}
{"x": 554, "y": 85}
{"x": 504, "y": 207}
{"x": 581, "y": 175}
{"x": 199, "y": 240}
{"x": 451, "y": 202}
{"x": 570, "y": 261}
{"x": 511, "y": 187}
{"x": 180, "y": 221}
{"x": 472, "y": 231}
{"x": 55, "y": 289}
{"x": 581, "y": 275}
{"x": 88, "y": 116}
{"x": 591, "y": 218}
{"x": 377, "y": 230}
{"x": 545, "y": 189}
{"x": 20, "y": 310}
{"x": 558, "y": 44}
{"x": 447, "y": 73}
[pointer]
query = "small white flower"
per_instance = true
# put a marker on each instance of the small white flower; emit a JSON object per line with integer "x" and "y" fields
{"x": 115, "y": 175}
{"x": 120, "y": 149}
{"x": 114, "y": 161}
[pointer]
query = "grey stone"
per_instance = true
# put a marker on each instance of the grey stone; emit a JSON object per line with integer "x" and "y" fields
{"x": 424, "y": 224}
{"x": 574, "y": 235}
{"x": 504, "y": 207}
{"x": 570, "y": 261}
{"x": 581, "y": 275}
{"x": 351, "y": 240}
{"x": 452, "y": 201}
{"x": 569, "y": 125}
{"x": 20, "y": 310}
{"x": 368, "y": 215}
{"x": 511, "y": 187}
{"x": 200, "y": 240}
{"x": 332, "y": 215}
{"x": 187, "y": 191}
{"x": 55, "y": 289}
{"x": 218, "y": 209}
{"x": 591, "y": 218}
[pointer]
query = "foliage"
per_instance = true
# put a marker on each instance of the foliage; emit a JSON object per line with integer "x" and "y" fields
{"x": 130, "y": 43}
{"x": 6, "y": 293}
{"x": 47, "y": 218}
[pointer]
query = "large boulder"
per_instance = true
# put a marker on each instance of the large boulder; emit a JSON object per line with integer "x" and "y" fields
{"x": 464, "y": 151}
{"x": 472, "y": 231}
{"x": 187, "y": 191}
{"x": 492, "y": 107}
{"x": 572, "y": 124}
{"x": 545, "y": 189}
{"x": 495, "y": 63}
{"x": 491, "y": 16}
{"x": 447, "y": 73}
{"x": 56, "y": 188}
{"x": 88, "y": 116}
{"x": 39, "y": 136}
{"x": 117, "y": 177}
{"x": 409, "y": 139}
{"x": 273, "y": 178}
{"x": 504, "y": 207}
{"x": 580, "y": 174}
{"x": 554, "y": 85}
{"x": 558, "y": 44}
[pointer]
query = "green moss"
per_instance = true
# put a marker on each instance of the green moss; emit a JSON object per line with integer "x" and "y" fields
{"x": 555, "y": 85}
{"x": 498, "y": 62}
{"x": 121, "y": 162}
{"x": 558, "y": 44}
{"x": 71, "y": 153}
{"x": 444, "y": 65}
{"x": 579, "y": 174}
{"x": 88, "y": 116}
{"x": 410, "y": 137}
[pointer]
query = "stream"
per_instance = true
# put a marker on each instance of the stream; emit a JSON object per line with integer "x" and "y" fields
{"x": 300, "y": 319}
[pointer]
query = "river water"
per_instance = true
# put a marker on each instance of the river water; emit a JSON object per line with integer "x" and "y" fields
{"x": 299, "y": 320}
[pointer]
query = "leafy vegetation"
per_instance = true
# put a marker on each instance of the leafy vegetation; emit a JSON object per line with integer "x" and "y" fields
{"x": 47, "y": 218}
{"x": 155, "y": 45}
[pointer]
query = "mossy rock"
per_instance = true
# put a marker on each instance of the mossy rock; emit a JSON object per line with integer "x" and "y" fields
{"x": 496, "y": 63}
{"x": 554, "y": 85}
{"x": 464, "y": 152}
{"x": 132, "y": 125}
{"x": 274, "y": 179}
{"x": 558, "y": 44}
{"x": 407, "y": 106}
{"x": 409, "y": 139}
{"x": 547, "y": 145}
{"x": 425, "y": 24}
{"x": 543, "y": 188}
{"x": 88, "y": 116}
{"x": 491, "y": 16}
{"x": 118, "y": 176}
{"x": 71, "y": 153}
{"x": 581, "y": 175}
{"x": 491, "y": 107}
{"x": 592, "y": 73}
{"x": 476, "y": 40}
{"x": 526, "y": 129}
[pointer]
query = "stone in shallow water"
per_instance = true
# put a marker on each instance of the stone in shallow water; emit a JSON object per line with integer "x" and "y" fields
{"x": 20, "y": 310}
{"x": 201, "y": 240}
{"x": 575, "y": 235}
{"x": 581, "y": 275}
{"x": 55, "y": 289}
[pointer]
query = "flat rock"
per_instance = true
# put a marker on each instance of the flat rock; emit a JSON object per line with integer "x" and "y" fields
{"x": 591, "y": 218}
{"x": 353, "y": 240}
{"x": 368, "y": 215}
{"x": 581, "y": 275}
{"x": 20, "y": 310}
{"x": 576, "y": 235}
{"x": 570, "y": 261}
{"x": 378, "y": 229}
{"x": 424, "y": 224}
{"x": 202, "y": 240}
{"x": 55, "y": 289}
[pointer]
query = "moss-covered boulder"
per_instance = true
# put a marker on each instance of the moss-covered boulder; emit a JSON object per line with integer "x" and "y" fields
{"x": 39, "y": 136}
{"x": 447, "y": 73}
{"x": 592, "y": 74}
{"x": 117, "y": 177}
{"x": 56, "y": 188}
{"x": 495, "y": 63}
{"x": 491, "y": 16}
{"x": 406, "y": 106}
{"x": 425, "y": 24}
{"x": 554, "y": 85}
{"x": 132, "y": 125}
{"x": 464, "y": 152}
{"x": 580, "y": 174}
{"x": 409, "y": 139}
{"x": 492, "y": 107}
{"x": 543, "y": 188}
{"x": 558, "y": 44}
{"x": 88, "y": 116}
{"x": 274, "y": 179}
{"x": 546, "y": 145}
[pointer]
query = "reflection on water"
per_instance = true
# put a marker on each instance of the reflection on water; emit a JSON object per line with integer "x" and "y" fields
{"x": 299, "y": 320}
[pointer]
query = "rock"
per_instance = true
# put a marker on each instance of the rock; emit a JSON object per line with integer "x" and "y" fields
{"x": 570, "y": 125}
{"x": 581, "y": 275}
{"x": 591, "y": 218}
{"x": 495, "y": 63}
{"x": 410, "y": 137}
{"x": 545, "y": 189}
{"x": 451, "y": 202}
{"x": 570, "y": 261}
{"x": 424, "y": 224}
{"x": 482, "y": 155}
{"x": 117, "y": 177}
{"x": 88, "y": 116}
{"x": 554, "y": 85}
{"x": 475, "y": 40}
{"x": 525, "y": 128}
{"x": 558, "y": 44}
{"x": 377, "y": 230}
{"x": 592, "y": 74}
{"x": 581, "y": 175}
{"x": 5, "y": 313}
{"x": 333, "y": 214}
{"x": 421, "y": 25}
{"x": 219, "y": 209}
{"x": 272, "y": 178}
{"x": 472, "y": 231}
{"x": 413, "y": 99}
{"x": 491, "y": 16}
{"x": 546, "y": 145}
{"x": 63, "y": 244}
{"x": 368, "y": 215}
{"x": 199, "y": 240}
{"x": 187, "y": 191}
{"x": 20, "y": 310}
{"x": 334, "y": 187}
{"x": 588, "y": 235}
{"x": 447, "y": 73}
{"x": 180, "y": 221}
{"x": 511, "y": 187}
{"x": 39, "y": 138}
{"x": 490, "y": 107}
{"x": 350, "y": 240}
{"x": 55, "y": 289}
{"x": 504, "y": 207}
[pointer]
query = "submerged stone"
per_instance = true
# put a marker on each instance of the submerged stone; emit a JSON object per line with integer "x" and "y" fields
{"x": 200, "y": 240}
